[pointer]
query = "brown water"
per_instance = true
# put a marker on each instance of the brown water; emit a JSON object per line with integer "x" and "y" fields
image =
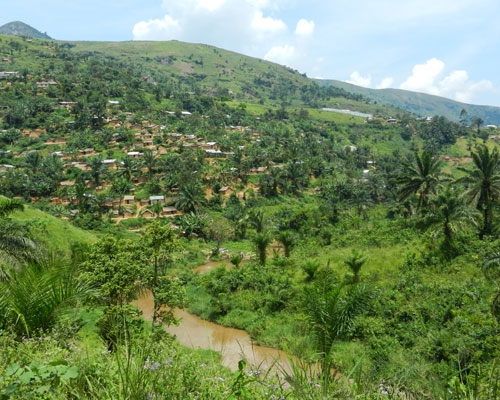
{"x": 209, "y": 266}
{"x": 234, "y": 344}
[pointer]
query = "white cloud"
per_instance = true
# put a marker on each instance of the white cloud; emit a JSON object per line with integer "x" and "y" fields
{"x": 210, "y": 5}
{"x": 166, "y": 28}
{"x": 424, "y": 76}
{"x": 358, "y": 80}
{"x": 386, "y": 83}
{"x": 281, "y": 54}
{"x": 267, "y": 24}
{"x": 428, "y": 78}
{"x": 304, "y": 27}
{"x": 235, "y": 24}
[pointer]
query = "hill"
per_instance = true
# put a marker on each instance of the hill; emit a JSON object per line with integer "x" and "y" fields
{"x": 421, "y": 104}
{"x": 18, "y": 28}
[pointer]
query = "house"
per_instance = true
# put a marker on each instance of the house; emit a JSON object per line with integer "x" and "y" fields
{"x": 147, "y": 213}
{"x": 169, "y": 211}
{"x": 6, "y": 74}
{"x": 144, "y": 202}
{"x": 156, "y": 199}
{"x": 66, "y": 104}
{"x": 86, "y": 152}
{"x": 110, "y": 163}
{"x": 224, "y": 190}
{"x": 73, "y": 213}
{"x": 491, "y": 127}
{"x": 129, "y": 200}
{"x": 67, "y": 183}
{"x": 186, "y": 113}
{"x": 6, "y": 167}
{"x": 391, "y": 120}
{"x": 46, "y": 84}
{"x": 113, "y": 102}
{"x": 208, "y": 145}
{"x": 134, "y": 154}
{"x": 128, "y": 213}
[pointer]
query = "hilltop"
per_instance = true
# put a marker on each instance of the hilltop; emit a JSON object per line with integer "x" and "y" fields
{"x": 421, "y": 104}
{"x": 18, "y": 28}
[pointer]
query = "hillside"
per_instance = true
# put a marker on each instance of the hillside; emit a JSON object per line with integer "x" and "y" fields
{"x": 216, "y": 183}
{"x": 421, "y": 104}
{"x": 18, "y": 28}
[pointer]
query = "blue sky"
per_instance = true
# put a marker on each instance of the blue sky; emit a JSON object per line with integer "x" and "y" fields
{"x": 442, "y": 47}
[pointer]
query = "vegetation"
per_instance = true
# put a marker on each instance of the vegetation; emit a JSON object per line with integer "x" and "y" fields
{"x": 137, "y": 185}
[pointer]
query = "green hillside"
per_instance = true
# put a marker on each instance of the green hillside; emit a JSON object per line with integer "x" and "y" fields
{"x": 56, "y": 233}
{"x": 421, "y": 104}
{"x": 18, "y": 28}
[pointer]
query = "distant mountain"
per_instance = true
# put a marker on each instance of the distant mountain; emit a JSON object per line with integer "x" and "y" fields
{"x": 18, "y": 28}
{"x": 419, "y": 103}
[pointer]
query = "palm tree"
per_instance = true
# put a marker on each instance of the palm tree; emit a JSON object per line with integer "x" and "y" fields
{"x": 129, "y": 167}
{"x": 421, "y": 178}
{"x": 149, "y": 161}
{"x": 257, "y": 220}
{"x": 157, "y": 209}
{"x": 8, "y": 206}
{"x": 261, "y": 241}
{"x": 99, "y": 202}
{"x": 35, "y": 296}
{"x": 97, "y": 168}
{"x": 492, "y": 273}
{"x": 236, "y": 259}
{"x": 191, "y": 198}
{"x": 446, "y": 215}
{"x": 16, "y": 243}
{"x": 483, "y": 184}
{"x": 331, "y": 308}
{"x": 288, "y": 240}
{"x": 355, "y": 261}
{"x": 477, "y": 122}
{"x": 80, "y": 193}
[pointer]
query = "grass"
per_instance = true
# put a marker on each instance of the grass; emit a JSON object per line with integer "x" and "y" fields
{"x": 57, "y": 233}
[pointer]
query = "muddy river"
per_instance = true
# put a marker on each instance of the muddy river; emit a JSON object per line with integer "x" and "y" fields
{"x": 233, "y": 344}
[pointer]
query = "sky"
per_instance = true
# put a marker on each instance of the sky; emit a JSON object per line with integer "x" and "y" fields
{"x": 443, "y": 47}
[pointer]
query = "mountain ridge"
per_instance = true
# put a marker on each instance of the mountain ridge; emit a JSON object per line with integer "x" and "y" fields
{"x": 421, "y": 104}
{"x": 19, "y": 28}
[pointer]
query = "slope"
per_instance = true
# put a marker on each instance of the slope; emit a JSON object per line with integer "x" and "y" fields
{"x": 58, "y": 234}
{"x": 18, "y": 28}
{"x": 419, "y": 103}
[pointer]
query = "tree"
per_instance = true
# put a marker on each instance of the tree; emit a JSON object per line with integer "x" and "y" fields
{"x": 355, "y": 261}
{"x": 477, "y": 122}
{"x": 447, "y": 215}
{"x": 117, "y": 268}
{"x": 97, "y": 168}
{"x": 464, "y": 117}
{"x": 191, "y": 198}
{"x": 236, "y": 259}
{"x": 149, "y": 161}
{"x": 261, "y": 241}
{"x": 16, "y": 242}
{"x": 288, "y": 240}
{"x": 121, "y": 187}
{"x": 167, "y": 292}
{"x": 483, "y": 184}
{"x": 492, "y": 273}
{"x": 36, "y": 296}
{"x": 420, "y": 177}
{"x": 219, "y": 230}
{"x": 257, "y": 220}
{"x": 331, "y": 309}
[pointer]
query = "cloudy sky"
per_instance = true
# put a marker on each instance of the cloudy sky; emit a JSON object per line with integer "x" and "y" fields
{"x": 442, "y": 47}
